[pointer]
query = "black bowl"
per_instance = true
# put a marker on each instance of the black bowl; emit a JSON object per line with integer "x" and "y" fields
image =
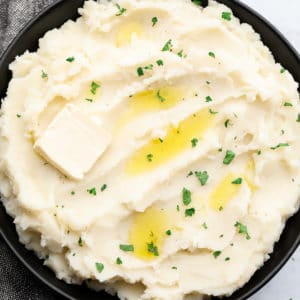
{"x": 54, "y": 16}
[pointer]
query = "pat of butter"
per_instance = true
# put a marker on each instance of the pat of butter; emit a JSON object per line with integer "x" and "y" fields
{"x": 73, "y": 142}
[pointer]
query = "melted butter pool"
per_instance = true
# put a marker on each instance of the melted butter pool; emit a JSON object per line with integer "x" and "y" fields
{"x": 126, "y": 32}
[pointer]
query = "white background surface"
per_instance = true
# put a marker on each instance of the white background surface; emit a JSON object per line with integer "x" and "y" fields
{"x": 285, "y": 15}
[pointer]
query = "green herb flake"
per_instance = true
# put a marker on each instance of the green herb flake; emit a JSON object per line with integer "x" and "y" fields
{"x": 119, "y": 261}
{"x": 149, "y": 67}
{"x": 221, "y": 208}
{"x": 189, "y": 212}
{"x": 160, "y": 62}
{"x": 237, "y": 181}
{"x": 99, "y": 267}
{"x": 122, "y": 10}
{"x": 89, "y": 99}
{"x": 44, "y": 75}
{"x": 227, "y": 123}
{"x": 154, "y": 21}
{"x": 168, "y": 46}
{"x": 197, "y": 2}
{"x": 204, "y": 225}
{"x": 94, "y": 87}
{"x": 181, "y": 54}
{"x": 298, "y": 118}
{"x": 140, "y": 71}
{"x": 227, "y": 258}
{"x": 190, "y": 174}
{"x": 160, "y": 97}
{"x": 126, "y": 248}
{"x": 174, "y": 268}
{"x": 103, "y": 187}
{"x": 287, "y": 104}
{"x": 282, "y": 70}
{"x": 242, "y": 229}
{"x": 226, "y": 15}
{"x": 168, "y": 232}
{"x": 202, "y": 177}
{"x": 70, "y": 59}
{"x": 152, "y": 249}
{"x": 229, "y": 156}
{"x": 92, "y": 191}
{"x": 72, "y": 193}
{"x": 207, "y": 82}
{"x": 208, "y": 99}
{"x": 212, "y": 112}
{"x": 194, "y": 142}
{"x": 279, "y": 146}
{"x": 211, "y": 54}
{"x": 177, "y": 207}
{"x": 18, "y": 115}
{"x": 149, "y": 157}
{"x": 80, "y": 242}
{"x": 217, "y": 253}
{"x": 259, "y": 152}
{"x": 186, "y": 196}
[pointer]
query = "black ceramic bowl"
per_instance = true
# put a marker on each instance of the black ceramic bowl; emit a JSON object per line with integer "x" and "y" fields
{"x": 54, "y": 16}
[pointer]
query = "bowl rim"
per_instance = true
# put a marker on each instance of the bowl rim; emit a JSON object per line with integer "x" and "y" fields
{"x": 279, "y": 36}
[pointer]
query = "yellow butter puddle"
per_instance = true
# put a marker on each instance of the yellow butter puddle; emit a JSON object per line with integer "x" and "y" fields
{"x": 126, "y": 32}
{"x": 159, "y": 151}
{"x": 148, "y": 233}
{"x": 226, "y": 190}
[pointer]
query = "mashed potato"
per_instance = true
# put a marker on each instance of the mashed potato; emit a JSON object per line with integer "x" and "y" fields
{"x": 151, "y": 147}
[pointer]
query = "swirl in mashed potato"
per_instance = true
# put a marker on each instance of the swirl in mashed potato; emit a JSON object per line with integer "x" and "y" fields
{"x": 151, "y": 147}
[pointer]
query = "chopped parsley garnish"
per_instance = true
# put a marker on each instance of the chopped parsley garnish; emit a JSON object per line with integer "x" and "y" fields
{"x": 221, "y": 208}
{"x": 160, "y": 97}
{"x": 227, "y": 258}
{"x": 197, "y": 2}
{"x": 94, "y": 87}
{"x": 150, "y": 157}
{"x": 227, "y": 123}
{"x": 70, "y": 59}
{"x": 189, "y": 212}
{"x": 161, "y": 140}
{"x": 72, "y": 193}
{"x": 152, "y": 249}
{"x": 89, "y": 99}
{"x": 211, "y": 54}
{"x": 298, "y": 118}
{"x": 80, "y": 242}
{"x": 186, "y": 196}
{"x": 99, "y": 267}
{"x": 237, "y": 181}
{"x": 168, "y": 46}
{"x": 174, "y": 268}
{"x": 226, "y": 15}
{"x": 212, "y": 112}
{"x": 207, "y": 82}
{"x": 92, "y": 191}
{"x": 103, "y": 187}
{"x": 282, "y": 70}
{"x": 177, "y": 207}
{"x": 18, "y": 115}
{"x": 287, "y": 104}
{"x": 242, "y": 229}
{"x": 279, "y": 146}
{"x": 122, "y": 10}
{"x": 168, "y": 232}
{"x": 180, "y": 54}
{"x": 149, "y": 67}
{"x": 190, "y": 174}
{"x": 194, "y": 142}
{"x": 229, "y": 156}
{"x": 208, "y": 99}
{"x": 127, "y": 248}
{"x": 202, "y": 177}
{"x": 140, "y": 71}
{"x": 259, "y": 152}
{"x": 217, "y": 253}
{"x": 160, "y": 62}
{"x": 204, "y": 225}
{"x": 119, "y": 261}
{"x": 44, "y": 75}
{"x": 154, "y": 21}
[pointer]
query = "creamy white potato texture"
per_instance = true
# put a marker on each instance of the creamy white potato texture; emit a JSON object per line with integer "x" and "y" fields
{"x": 151, "y": 147}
